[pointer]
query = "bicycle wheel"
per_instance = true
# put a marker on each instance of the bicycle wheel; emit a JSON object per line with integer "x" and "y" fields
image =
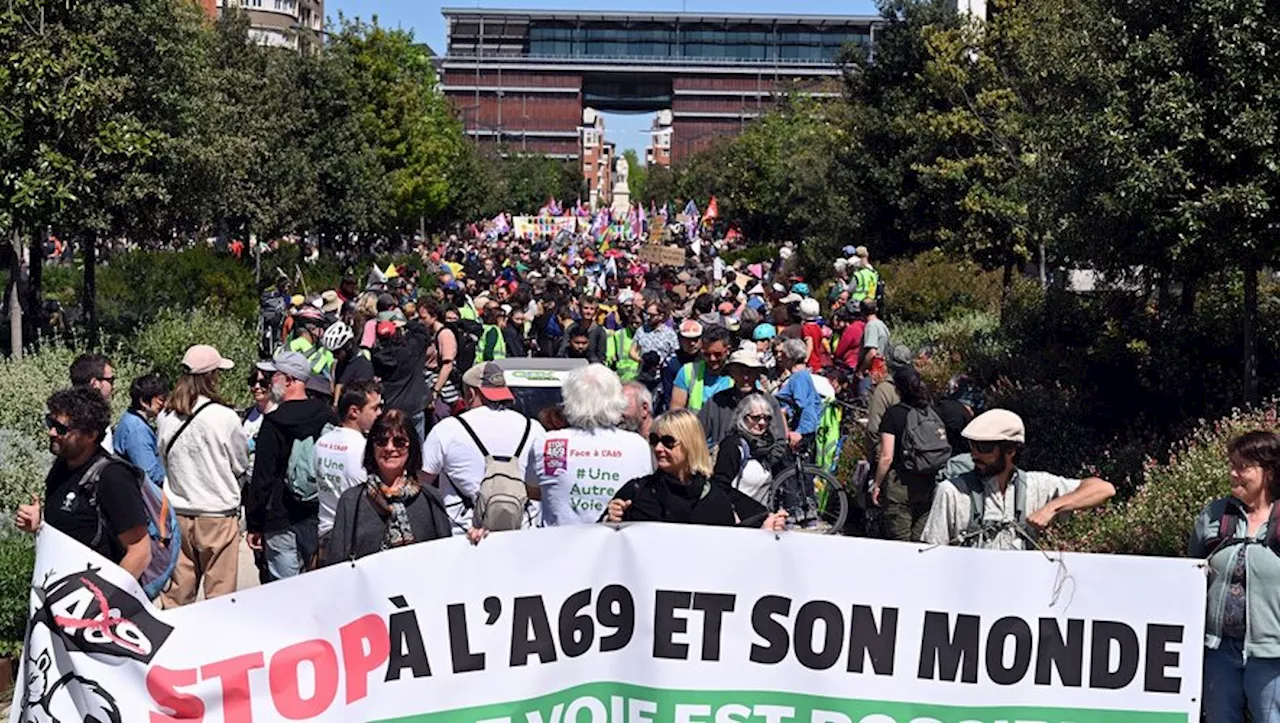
{"x": 833, "y": 498}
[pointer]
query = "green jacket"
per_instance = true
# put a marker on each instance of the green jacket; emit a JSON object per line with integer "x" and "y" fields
{"x": 1262, "y": 575}
{"x": 864, "y": 284}
{"x": 618, "y": 354}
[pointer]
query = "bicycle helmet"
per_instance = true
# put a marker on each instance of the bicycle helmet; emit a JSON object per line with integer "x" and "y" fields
{"x": 800, "y": 288}
{"x": 337, "y": 336}
{"x": 763, "y": 332}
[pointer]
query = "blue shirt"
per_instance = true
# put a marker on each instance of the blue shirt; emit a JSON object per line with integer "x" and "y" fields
{"x": 798, "y": 392}
{"x": 135, "y": 440}
{"x": 712, "y": 383}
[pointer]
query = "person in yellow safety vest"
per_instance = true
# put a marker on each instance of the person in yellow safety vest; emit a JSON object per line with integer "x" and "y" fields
{"x": 618, "y": 348}
{"x": 309, "y": 325}
{"x": 866, "y": 278}
{"x": 698, "y": 381}
{"x": 493, "y": 345}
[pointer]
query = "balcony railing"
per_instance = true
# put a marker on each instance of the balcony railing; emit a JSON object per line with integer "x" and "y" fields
{"x": 650, "y": 59}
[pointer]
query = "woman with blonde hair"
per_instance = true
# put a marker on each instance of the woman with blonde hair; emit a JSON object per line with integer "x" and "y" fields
{"x": 680, "y": 489}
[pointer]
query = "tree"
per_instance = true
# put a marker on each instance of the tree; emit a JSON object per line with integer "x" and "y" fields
{"x": 638, "y": 175}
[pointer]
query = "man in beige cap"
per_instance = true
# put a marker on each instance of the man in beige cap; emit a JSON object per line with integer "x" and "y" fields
{"x": 998, "y": 506}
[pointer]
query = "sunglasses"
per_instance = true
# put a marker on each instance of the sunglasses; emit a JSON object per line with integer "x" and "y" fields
{"x": 396, "y": 442}
{"x": 58, "y": 428}
{"x": 108, "y": 380}
{"x": 665, "y": 440}
{"x": 758, "y": 417}
{"x": 983, "y": 447}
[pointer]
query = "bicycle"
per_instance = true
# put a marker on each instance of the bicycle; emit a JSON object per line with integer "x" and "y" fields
{"x": 833, "y": 500}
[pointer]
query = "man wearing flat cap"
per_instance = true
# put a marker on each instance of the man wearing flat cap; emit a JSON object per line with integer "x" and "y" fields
{"x": 998, "y": 506}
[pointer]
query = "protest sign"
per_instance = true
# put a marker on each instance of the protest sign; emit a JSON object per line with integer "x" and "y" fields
{"x": 647, "y": 622}
{"x": 665, "y": 255}
{"x": 657, "y": 227}
{"x": 529, "y": 226}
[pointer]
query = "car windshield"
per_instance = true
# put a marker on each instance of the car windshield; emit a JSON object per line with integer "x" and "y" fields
{"x": 531, "y": 400}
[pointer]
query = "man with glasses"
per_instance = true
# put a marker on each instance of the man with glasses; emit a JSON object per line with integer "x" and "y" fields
{"x": 110, "y": 518}
{"x": 278, "y": 522}
{"x": 95, "y": 372}
{"x": 699, "y": 380}
{"x": 998, "y": 506}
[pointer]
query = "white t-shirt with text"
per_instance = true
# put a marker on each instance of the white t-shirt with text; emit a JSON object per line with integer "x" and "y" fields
{"x": 339, "y": 458}
{"x": 451, "y": 453}
{"x": 579, "y": 471}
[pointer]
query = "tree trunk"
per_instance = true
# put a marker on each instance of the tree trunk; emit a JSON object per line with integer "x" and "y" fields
{"x": 15, "y": 296}
{"x": 1044, "y": 272}
{"x": 90, "y": 247}
{"x": 1188, "y": 303}
{"x": 1250, "y": 332}
{"x": 35, "y": 307}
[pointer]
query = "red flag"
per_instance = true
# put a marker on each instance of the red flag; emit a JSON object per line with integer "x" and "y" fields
{"x": 713, "y": 210}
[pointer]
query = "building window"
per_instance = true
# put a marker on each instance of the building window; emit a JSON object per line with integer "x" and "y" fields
{"x": 588, "y": 137}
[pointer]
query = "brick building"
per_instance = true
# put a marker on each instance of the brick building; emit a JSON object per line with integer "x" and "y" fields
{"x": 523, "y": 78}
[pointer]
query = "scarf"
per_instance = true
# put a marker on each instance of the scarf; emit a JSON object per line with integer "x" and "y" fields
{"x": 393, "y": 504}
{"x": 765, "y": 449}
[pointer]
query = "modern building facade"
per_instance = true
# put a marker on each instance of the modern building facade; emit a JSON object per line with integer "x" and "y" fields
{"x": 277, "y": 23}
{"x": 522, "y": 78}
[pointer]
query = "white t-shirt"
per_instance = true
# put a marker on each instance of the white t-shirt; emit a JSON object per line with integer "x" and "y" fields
{"x": 339, "y": 459}
{"x": 452, "y": 454}
{"x": 580, "y": 470}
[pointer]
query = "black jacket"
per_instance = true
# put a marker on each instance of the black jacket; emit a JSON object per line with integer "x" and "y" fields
{"x": 399, "y": 363}
{"x": 659, "y": 497}
{"x": 359, "y": 526}
{"x": 269, "y": 507}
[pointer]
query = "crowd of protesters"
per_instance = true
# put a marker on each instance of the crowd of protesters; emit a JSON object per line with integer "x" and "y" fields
{"x": 382, "y": 417}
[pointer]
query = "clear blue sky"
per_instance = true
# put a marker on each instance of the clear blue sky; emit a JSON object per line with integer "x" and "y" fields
{"x": 627, "y": 130}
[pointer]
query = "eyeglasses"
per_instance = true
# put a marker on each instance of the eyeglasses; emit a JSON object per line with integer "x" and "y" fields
{"x": 665, "y": 440}
{"x": 983, "y": 447}
{"x": 108, "y": 380}
{"x": 58, "y": 428}
{"x": 397, "y": 442}
{"x": 758, "y": 417}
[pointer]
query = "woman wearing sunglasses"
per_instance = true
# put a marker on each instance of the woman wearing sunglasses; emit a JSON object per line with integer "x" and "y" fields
{"x": 392, "y": 508}
{"x": 263, "y": 404}
{"x": 680, "y": 490}
{"x": 750, "y": 452}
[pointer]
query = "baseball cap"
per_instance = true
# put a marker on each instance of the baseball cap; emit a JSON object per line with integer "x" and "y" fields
{"x": 320, "y": 384}
{"x": 791, "y": 298}
{"x": 289, "y": 363}
{"x": 202, "y": 359}
{"x": 899, "y": 357}
{"x": 385, "y": 328}
{"x": 745, "y": 357}
{"x": 997, "y": 425}
{"x": 490, "y": 381}
{"x": 690, "y": 329}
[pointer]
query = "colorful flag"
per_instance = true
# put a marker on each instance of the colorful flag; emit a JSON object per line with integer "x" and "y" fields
{"x": 691, "y": 209}
{"x": 713, "y": 210}
{"x": 633, "y": 222}
{"x": 642, "y": 222}
{"x": 554, "y": 207}
{"x": 500, "y": 224}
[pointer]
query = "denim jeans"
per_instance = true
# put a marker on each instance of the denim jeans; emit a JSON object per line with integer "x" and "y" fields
{"x": 1231, "y": 683}
{"x": 419, "y": 422}
{"x": 291, "y": 549}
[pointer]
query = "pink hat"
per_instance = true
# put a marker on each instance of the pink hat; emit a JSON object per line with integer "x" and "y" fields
{"x": 202, "y": 359}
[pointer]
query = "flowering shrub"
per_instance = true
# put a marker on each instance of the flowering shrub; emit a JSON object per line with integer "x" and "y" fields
{"x": 1157, "y": 518}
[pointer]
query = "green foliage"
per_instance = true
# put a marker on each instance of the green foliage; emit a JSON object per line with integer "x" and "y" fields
{"x": 757, "y": 254}
{"x": 1157, "y": 519}
{"x": 17, "y": 565}
{"x": 161, "y": 344}
{"x": 638, "y": 177}
{"x": 136, "y": 286}
{"x": 935, "y": 286}
{"x": 24, "y": 387}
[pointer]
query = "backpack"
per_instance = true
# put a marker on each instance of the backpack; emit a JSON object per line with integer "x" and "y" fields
{"x": 467, "y": 332}
{"x": 977, "y": 529}
{"x": 503, "y": 497}
{"x": 1226, "y": 534}
{"x": 300, "y": 476}
{"x": 162, "y": 523}
{"x": 925, "y": 449}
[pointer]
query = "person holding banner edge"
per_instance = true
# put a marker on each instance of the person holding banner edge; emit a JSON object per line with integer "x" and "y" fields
{"x": 1239, "y": 537}
{"x": 680, "y": 490}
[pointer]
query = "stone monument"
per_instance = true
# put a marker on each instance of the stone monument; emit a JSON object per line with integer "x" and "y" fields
{"x": 621, "y": 205}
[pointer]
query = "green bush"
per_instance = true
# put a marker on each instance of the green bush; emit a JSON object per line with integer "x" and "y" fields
{"x": 161, "y": 344}
{"x": 17, "y": 564}
{"x": 1157, "y": 519}
{"x": 25, "y": 386}
{"x": 759, "y": 254}
{"x": 933, "y": 286}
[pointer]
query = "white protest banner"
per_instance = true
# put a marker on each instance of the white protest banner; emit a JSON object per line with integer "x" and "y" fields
{"x": 655, "y": 622}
